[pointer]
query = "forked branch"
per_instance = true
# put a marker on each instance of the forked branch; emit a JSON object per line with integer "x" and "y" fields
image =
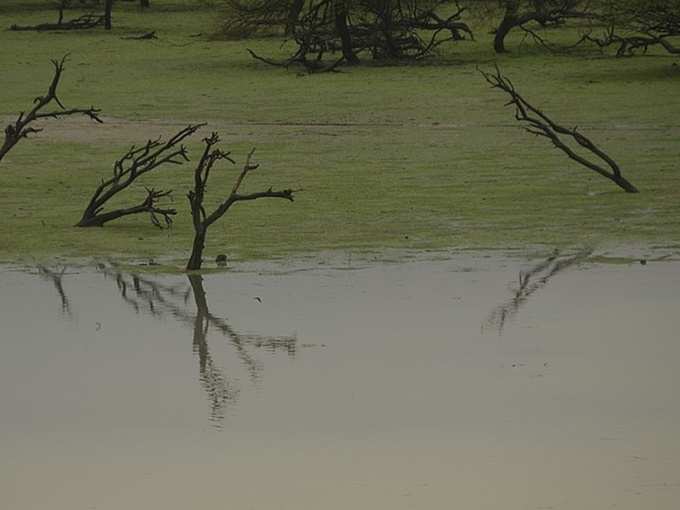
{"x": 539, "y": 124}
{"x": 22, "y": 127}
{"x": 136, "y": 162}
{"x": 203, "y": 220}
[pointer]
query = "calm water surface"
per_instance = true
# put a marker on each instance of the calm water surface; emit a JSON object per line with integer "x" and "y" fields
{"x": 471, "y": 383}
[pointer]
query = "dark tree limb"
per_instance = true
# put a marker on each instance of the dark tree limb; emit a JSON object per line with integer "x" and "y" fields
{"x": 22, "y": 128}
{"x": 80, "y": 23}
{"x": 84, "y": 22}
{"x": 634, "y": 26}
{"x": 540, "y": 124}
{"x": 544, "y": 12}
{"x": 136, "y": 162}
{"x": 541, "y": 41}
{"x": 144, "y": 37}
{"x": 310, "y": 66}
{"x": 629, "y": 44}
{"x": 203, "y": 220}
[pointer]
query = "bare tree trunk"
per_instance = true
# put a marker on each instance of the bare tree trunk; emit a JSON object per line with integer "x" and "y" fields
{"x": 196, "y": 259}
{"x": 294, "y": 15}
{"x": 108, "y": 7}
{"x": 509, "y": 21}
{"x": 340, "y": 8}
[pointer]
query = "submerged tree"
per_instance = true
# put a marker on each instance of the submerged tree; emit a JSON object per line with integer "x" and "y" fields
{"x": 539, "y": 124}
{"x": 136, "y": 162}
{"x": 384, "y": 29}
{"x": 22, "y": 127}
{"x": 203, "y": 220}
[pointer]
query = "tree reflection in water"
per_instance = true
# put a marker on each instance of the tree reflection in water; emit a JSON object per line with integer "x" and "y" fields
{"x": 56, "y": 278}
{"x": 531, "y": 281}
{"x": 161, "y": 300}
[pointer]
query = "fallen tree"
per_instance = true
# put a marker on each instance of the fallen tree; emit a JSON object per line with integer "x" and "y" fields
{"x": 540, "y": 124}
{"x": 201, "y": 219}
{"x": 22, "y": 128}
{"x": 136, "y": 162}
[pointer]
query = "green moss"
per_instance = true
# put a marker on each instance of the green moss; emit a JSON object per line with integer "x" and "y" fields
{"x": 421, "y": 157}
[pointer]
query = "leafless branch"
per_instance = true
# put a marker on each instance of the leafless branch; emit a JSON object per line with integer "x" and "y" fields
{"x": 22, "y": 128}
{"x": 539, "y": 124}
{"x": 84, "y": 22}
{"x": 136, "y": 162}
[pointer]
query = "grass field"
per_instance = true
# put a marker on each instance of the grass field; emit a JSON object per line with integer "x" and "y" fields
{"x": 419, "y": 157}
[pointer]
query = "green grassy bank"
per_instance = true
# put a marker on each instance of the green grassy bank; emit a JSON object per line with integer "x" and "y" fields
{"x": 420, "y": 157}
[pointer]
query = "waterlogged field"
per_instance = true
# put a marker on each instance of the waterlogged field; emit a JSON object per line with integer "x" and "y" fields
{"x": 421, "y": 157}
{"x": 381, "y": 356}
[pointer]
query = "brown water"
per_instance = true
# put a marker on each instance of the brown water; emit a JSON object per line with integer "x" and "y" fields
{"x": 472, "y": 383}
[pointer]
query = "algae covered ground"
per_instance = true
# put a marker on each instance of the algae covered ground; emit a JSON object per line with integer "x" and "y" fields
{"x": 408, "y": 157}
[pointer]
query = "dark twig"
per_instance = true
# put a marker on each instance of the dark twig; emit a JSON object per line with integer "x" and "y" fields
{"x": 22, "y": 127}
{"x": 540, "y": 124}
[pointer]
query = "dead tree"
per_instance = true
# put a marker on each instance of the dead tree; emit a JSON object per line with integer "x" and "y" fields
{"x": 83, "y": 22}
{"x": 203, "y": 220}
{"x": 639, "y": 36}
{"x": 22, "y": 127}
{"x": 519, "y": 13}
{"x": 540, "y": 124}
{"x": 136, "y": 162}
{"x": 385, "y": 29}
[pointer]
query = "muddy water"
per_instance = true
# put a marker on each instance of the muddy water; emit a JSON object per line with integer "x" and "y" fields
{"x": 469, "y": 383}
